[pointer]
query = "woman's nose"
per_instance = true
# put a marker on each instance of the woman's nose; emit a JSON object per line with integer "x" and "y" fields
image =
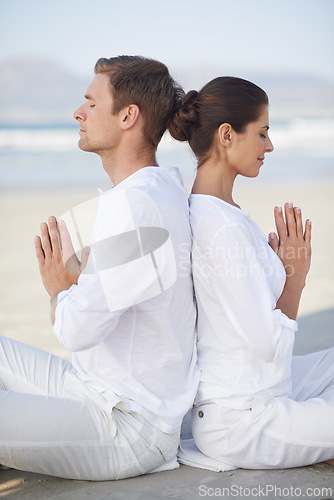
{"x": 270, "y": 146}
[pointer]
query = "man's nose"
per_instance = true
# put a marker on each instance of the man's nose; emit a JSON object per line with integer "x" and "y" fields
{"x": 79, "y": 115}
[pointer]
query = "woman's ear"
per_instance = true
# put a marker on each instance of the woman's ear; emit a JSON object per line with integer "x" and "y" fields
{"x": 225, "y": 133}
{"x": 129, "y": 116}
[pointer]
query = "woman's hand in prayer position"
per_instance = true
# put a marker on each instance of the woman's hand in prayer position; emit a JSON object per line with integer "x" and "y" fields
{"x": 293, "y": 247}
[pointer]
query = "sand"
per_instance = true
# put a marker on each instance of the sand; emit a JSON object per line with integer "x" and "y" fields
{"x": 24, "y": 315}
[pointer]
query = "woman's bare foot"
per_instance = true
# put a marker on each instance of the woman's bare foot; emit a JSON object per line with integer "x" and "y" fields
{"x": 330, "y": 462}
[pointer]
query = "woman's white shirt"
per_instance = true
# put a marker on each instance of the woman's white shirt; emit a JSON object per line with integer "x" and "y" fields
{"x": 244, "y": 342}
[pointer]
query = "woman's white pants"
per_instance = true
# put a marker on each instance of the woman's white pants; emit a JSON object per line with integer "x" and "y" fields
{"x": 53, "y": 423}
{"x": 288, "y": 432}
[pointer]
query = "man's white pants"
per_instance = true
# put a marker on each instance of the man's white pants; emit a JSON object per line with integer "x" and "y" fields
{"x": 288, "y": 432}
{"x": 53, "y": 423}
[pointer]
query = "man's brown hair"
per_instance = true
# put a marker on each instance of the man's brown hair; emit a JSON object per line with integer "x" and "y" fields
{"x": 146, "y": 83}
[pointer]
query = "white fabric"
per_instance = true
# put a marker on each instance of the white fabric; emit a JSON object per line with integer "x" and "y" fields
{"x": 189, "y": 454}
{"x": 171, "y": 465}
{"x": 52, "y": 423}
{"x": 257, "y": 406}
{"x": 289, "y": 432}
{"x": 131, "y": 326}
{"x": 238, "y": 279}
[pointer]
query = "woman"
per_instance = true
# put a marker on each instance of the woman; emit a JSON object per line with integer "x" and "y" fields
{"x": 256, "y": 406}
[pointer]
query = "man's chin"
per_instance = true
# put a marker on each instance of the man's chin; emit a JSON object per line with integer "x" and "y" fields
{"x": 84, "y": 147}
{"x": 87, "y": 148}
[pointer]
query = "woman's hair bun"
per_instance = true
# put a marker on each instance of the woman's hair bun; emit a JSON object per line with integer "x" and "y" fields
{"x": 185, "y": 118}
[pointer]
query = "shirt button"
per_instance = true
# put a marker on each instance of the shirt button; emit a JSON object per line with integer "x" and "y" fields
{"x": 200, "y": 414}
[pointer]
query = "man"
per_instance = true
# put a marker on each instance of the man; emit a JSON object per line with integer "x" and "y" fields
{"x": 126, "y": 312}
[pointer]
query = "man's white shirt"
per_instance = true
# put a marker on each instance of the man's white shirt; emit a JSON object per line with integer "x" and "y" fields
{"x": 130, "y": 320}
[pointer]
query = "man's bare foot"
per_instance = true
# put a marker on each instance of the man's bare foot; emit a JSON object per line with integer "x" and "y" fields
{"x": 330, "y": 462}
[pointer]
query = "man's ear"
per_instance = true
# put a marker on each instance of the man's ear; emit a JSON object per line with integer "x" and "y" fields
{"x": 225, "y": 134}
{"x": 129, "y": 116}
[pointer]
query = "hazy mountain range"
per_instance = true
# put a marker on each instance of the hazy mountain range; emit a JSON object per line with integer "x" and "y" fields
{"x": 39, "y": 92}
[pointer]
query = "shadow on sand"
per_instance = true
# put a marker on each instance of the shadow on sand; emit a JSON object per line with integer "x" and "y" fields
{"x": 315, "y": 332}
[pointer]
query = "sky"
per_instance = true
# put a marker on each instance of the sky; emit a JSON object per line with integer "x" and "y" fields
{"x": 232, "y": 36}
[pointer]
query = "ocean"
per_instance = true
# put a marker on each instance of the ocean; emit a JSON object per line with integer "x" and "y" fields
{"x": 48, "y": 157}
